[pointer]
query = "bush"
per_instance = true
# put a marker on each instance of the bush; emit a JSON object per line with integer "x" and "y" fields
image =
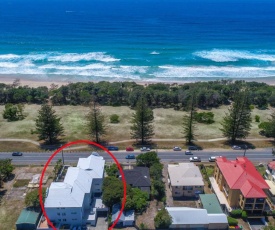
{"x": 114, "y": 118}
{"x": 204, "y": 117}
{"x": 232, "y": 221}
{"x": 244, "y": 215}
{"x": 236, "y": 213}
{"x": 257, "y": 118}
{"x": 251, "y": 107}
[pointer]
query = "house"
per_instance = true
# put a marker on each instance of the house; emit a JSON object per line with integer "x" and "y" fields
{"x": 241, "y": 184}
{"x": 185, "y": 180}
{"x": 76, "y": 201}
{"x": 210, "y": 203}
{"x": 270, "y": 180}
{"x": 127, "y": 218}
{"x": 28, "y": 219}
{"x": 138, "y": 177}
{"x": 195, "y": 218}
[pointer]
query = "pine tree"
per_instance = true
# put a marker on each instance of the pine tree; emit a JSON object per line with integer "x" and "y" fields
{"x": 48, "y": 125}
{"x": 96, "y": 122}
{"x": 237, "y": 122}
{"x": 189, "y": 120}
{"x": 142, "y": 128}
{"x": 270, "y": 128}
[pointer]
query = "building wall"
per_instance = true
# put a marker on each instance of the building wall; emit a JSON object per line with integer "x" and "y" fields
{"x": 65, "y": 215}
{"x": 188, "y": 226}
{"x": 188, "y": 191}
{"x": 218, "y": 226}
{"x": 97, "y": 185}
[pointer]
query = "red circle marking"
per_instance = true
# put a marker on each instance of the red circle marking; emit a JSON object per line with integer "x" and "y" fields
{"x": 74, "y": 143}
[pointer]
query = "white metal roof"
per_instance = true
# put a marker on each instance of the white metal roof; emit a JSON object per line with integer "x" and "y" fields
{"x": 77, "y": 183}
{"x": 185, "y": 174}
{"x": 217, "y": 218}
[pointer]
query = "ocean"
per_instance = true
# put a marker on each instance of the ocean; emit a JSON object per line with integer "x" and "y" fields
{"x": 137, "y": 40}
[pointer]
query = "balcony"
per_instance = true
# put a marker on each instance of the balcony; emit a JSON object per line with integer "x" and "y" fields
{"x": 259, "y": 206}
{"x": 248, "y": 207}
{"x": 225, "y": 191}
{"x": 260, "y": 200}
{"x": 249, "y": 200}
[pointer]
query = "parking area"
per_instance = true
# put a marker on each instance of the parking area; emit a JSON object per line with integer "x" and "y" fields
{"x": 256, "y": 224}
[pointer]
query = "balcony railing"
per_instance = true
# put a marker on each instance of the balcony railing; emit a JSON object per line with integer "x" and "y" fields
{"x": 249, "y": 200}
{"x": 248, "y": 207}
{"x": 225, "y": 191}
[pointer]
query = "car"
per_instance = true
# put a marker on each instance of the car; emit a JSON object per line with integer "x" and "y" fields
{"x": 112, "y": 148}
{"x": 145, "y": 149}
{"x": 187, "y": 152}
{"x": 17, "y": 154}
{"x": 95, "y": 154}
{"x": 130, "y": 156}
{"x": 236, "y": 147}
{"x": 195, "y": 159}
{"x": 212, "y": 159}
{"x": 193, "y": 148}
{"x": 129, "y": 149}
{"x": 176, "y": 148}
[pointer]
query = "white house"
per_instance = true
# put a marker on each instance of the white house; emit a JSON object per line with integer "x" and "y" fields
{"x": 195, "y": 218}
{"x": 76, "y": 201}
{"x": 126, "y": 219}
{"x": 185, "y": 180}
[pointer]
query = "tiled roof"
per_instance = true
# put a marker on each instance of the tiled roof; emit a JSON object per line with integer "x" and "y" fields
{"x": 138, "y": 177}
{"x": 242, "y": 174}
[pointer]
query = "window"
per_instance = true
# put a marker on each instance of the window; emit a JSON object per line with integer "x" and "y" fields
{"x": 65, "y": 220}
{"x": 189, "y": 191}
{"x": 74, "y": 219}
{"x": 73, "y": 213}
{"x": 63, "y": 214}
{"x": 59, "y": 219}
{"x": 58, "y": 214}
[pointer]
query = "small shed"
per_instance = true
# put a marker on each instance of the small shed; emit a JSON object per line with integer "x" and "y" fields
{"x": 211, "y": 203}
{"x": 126, "y": 219}
{"x": 28, "y": 219}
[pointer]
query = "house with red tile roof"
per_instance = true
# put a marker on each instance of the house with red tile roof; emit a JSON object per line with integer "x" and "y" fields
{"x": 241, "y": 183}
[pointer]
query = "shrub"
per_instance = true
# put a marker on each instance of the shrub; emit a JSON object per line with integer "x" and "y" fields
{"x": 244, "y": 215}
{"x": 204, "y": 117}
{"x": 114, "y": 118}
{"x": 232, "y": 221}
{"x": 236, "y": 213}
{"x": 257, "y": 118}
{"x": 251, "y": 107}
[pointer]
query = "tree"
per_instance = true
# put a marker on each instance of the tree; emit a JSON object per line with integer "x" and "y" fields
{"x": 147, "y": 159}
{"x": 158, "y": 189}
{"x": 57, "y": 167}
{"x": 96, "y": 125}
{"x": 114, "y": 118}
{"x": 137, "y": 200}
{"x": 163, "y": 219}
{"x": 13, "y": 112}
{"x": 32, "y": 198}
{"x": 48, "y": 125}
{"x": 112, "y": 170}
{"x": 237, "y": 122}
{"x": 189, "y": 120}
{"x": 6, "y": 169}
{"x": 142, "y": 122}
{"x": 269, "y": 127}
{"x": 156, "y": 171}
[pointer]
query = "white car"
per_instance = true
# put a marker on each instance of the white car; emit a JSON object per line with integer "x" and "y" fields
{"x": 95, "y": 154}
{"x": 145, "y": 149}
{"x": 195, "y": 159}
{"x": 236, "y": 147}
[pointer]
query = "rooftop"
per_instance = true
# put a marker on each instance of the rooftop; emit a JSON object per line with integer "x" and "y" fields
{"x": 210, "y": 203}
{"x": 77, "y": 182}
{"x": 126, "y": 215}
{"x": 272, "y": 186}
{"x": 28, "y": 216}
{"x": 185, "y": 174}
{"x": 242, "y": 174}
{"x": 271, "y": 165}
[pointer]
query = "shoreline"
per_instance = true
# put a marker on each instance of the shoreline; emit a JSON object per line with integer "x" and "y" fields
{"x": 33, "y": 81}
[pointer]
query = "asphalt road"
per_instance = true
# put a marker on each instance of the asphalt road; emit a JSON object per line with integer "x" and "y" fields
{"x": 40, "y": 158}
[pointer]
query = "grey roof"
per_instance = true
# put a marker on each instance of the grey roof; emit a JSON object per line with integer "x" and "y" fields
{"x": 185, "y": 215}
{"x": 185, "y": 174}
{"x": 138, "y": 177}
{"x": 125, "y": 216}
{"x": 77, "y": 183}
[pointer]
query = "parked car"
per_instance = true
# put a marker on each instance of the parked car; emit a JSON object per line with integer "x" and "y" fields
{"x": 130, "y": 156}
{"x": 195, "y": 159}
{"x": 129, "y": 149}
{"x": 212, "y": 159}
{"x": 95, "y": 154}
{"x": 176, "y": 148}
{"x": 193, "y": 148}
{"x": 187, "y": 152}
{"x": 112, "y": 148}
{"x": 145, "y": 149}
{"x": 236, "y": 147}
{"x": 17, "y": 154}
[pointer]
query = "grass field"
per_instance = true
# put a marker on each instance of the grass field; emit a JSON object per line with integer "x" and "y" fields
{"x": 167, "y": 123}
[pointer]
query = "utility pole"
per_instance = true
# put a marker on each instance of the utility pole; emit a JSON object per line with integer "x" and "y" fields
{"x": 245, "y": 147}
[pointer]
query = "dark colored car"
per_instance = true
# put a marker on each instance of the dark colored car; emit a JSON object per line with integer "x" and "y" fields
{"x": 129, "y": 149}
{"x": 130, "y": 156}
{"x": 193, "y": 148}
{"x": 236, "y": 147}
{"x": 17, "y": 154}
{"x": 112, "y": 148}
{"x": 187, "y": 152}
{"x": 176, "y": 148}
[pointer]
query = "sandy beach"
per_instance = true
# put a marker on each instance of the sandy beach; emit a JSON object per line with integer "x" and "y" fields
{"x": 34, "y": 81}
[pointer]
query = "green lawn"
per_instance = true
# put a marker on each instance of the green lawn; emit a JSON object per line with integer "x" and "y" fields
{"x": 167, "y": 123}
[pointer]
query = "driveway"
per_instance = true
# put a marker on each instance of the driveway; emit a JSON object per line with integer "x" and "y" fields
{"x": 256, "y": 224}
{"x": 101, "y": 224}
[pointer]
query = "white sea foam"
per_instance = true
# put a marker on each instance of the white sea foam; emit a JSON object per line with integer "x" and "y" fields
{"x": 9, "y": 56}
{"x": 75, "y": 57}
{"x": 217, "y": 55}
{"x": 154, "y": 53}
